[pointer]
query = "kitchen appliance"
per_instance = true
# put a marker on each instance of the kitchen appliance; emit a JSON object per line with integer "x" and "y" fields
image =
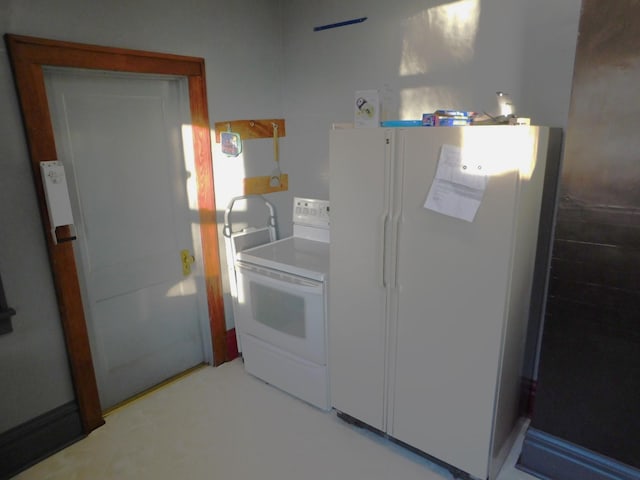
{"x": 282, "y": 306}
{"x": 428, "y": 312}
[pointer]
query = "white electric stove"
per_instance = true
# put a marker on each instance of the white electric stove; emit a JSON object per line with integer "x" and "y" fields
{"x": 282, "y": 306}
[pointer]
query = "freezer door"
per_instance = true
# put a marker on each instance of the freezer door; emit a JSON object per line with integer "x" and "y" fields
{"x": 359, "y": 194}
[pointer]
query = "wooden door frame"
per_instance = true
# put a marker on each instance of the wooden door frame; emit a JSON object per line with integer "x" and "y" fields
{"x": 28, "y": 56}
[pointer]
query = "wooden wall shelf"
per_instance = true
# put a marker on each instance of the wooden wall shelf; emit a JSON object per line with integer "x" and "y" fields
{"x": 251, "y": 129}
{"x": 260, "y": 185}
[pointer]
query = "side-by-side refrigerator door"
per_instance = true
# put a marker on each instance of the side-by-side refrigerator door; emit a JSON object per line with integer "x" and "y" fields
{"x": 360, "y": 217}
{"x": 452, "y": 284}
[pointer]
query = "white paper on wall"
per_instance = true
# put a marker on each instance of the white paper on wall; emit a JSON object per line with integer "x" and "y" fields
{"x": 458, "y": 186}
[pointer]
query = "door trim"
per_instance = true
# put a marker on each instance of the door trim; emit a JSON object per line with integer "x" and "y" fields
{"x": 28, "y": 55}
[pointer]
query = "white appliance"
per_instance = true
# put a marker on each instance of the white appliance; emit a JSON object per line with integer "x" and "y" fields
{"x": 428, "y": 312}
{"x": 282, "y": 306}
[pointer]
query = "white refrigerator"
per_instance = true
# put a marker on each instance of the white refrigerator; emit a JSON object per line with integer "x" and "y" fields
{"x": 428, "y": 311}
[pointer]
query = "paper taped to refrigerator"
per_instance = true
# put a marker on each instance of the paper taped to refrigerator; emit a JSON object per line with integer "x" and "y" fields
{"x": 459, "y": 184}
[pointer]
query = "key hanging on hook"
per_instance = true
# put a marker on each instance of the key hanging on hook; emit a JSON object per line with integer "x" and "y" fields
{"x": 274, "y": 180}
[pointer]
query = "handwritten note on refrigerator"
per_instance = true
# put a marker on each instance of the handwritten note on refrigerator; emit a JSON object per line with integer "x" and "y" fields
{"x": 459, "y": 184}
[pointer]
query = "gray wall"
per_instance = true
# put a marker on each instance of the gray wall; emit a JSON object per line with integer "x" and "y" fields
{"x": 34, "y": 374}
{"x": 264, "y": 61}
{"x": 421, "y": 55}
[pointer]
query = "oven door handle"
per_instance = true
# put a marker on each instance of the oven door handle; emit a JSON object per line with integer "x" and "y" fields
{"x": 280, "y": 279}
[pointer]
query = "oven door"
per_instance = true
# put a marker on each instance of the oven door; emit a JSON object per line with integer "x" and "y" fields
{"x": 284, "y": 310}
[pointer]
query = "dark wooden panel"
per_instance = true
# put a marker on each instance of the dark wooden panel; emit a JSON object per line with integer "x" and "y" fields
{"x": 612, "y": 226}
{"x": 613, "y": 258}
{"x": 588, "y": 391}
{"x": 589, "y": 374}
{"x": 621, "y": 304}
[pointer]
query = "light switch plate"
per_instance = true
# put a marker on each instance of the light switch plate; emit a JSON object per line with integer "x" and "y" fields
{"x": 56, "y": 193}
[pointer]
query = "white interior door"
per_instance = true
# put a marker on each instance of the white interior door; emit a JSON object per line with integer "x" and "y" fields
{"x": 120, "y": 138}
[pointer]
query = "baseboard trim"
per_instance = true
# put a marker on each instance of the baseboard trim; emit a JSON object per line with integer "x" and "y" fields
{"x": 551, "y": 458}
{"x": 27, "y": 444}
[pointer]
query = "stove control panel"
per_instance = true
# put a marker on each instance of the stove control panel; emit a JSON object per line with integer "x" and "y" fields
{"x": 311, "y": 211}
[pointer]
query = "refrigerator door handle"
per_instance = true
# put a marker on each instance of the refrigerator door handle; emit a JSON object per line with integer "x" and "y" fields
{"x": 396, "y": 247}
{"x": 383, "y": 253}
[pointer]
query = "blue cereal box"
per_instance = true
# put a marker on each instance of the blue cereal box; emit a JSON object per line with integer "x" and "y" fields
{"x": 435, "y": 120}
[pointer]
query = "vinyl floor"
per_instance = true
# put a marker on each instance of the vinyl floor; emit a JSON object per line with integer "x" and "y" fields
{"x": 221, "y": 423}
